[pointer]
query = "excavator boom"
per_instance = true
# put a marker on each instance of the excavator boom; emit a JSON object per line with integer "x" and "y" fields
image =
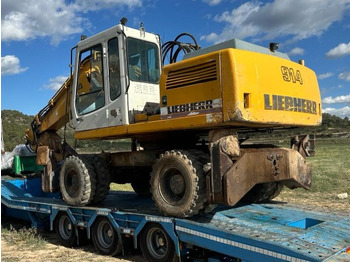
{"x": 53, "y": 116}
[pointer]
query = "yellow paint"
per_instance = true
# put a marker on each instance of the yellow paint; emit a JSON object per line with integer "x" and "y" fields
{"x": 250, "y": 90}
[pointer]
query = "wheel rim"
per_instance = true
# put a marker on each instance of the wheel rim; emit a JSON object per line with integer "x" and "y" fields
{"x": 172, "y": 186}
{"x": 157, "y": 243}
{"x": 72, "y": 182}
{"x": 105, "y": 234}
{"x": 65, "y": 227}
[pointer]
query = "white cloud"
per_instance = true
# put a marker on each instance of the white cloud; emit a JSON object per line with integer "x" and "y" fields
{"x": 341, "y": 112}
{"x": 55, "y": 83}
{"x": 296, "y": 18}
{"x": 212, "y": 37}
{"x": 212, "y": 2}
{"x": 10, "y": 65}
{"x": 339, "y": 51}
{"x": 296, "y": 51}
{"x": 325, "y": 75}
{"x": 344, "y": 76}
{"x": 336, "y": 100}
{"x": 56, "y": 19}
{"x": 85, "y": 6}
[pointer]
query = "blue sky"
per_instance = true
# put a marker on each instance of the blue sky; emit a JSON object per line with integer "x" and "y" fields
{"x": 37, "y": 35}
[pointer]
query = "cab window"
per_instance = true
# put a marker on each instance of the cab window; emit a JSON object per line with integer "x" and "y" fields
{"x": 114, "y": 68}
{"x": 143, "y": 61}
{"x": 90, "y": 88}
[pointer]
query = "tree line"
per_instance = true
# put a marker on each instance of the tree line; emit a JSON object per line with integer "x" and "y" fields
{"x": 15, "y": 124}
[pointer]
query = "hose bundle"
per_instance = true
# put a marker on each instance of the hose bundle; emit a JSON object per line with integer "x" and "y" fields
{"x": 173, "y": 48}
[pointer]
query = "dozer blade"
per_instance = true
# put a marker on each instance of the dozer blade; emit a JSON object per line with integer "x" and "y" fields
{"x": 235, "y": 171}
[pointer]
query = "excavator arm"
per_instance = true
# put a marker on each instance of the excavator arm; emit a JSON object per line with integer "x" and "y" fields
{"x": 52, "y": 117}
{"x": 42, "y": 135}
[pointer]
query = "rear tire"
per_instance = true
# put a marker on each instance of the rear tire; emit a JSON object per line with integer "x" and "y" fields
{"x": 178, "y": 184}
{"x": 263, "y": 192}
{"x": 156, "y": 245}
{"x": 77, "y": 181}
{"x": 105, "y": 237}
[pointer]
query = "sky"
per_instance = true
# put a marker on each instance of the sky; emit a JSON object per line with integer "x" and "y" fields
{"x": 37, "y": 36}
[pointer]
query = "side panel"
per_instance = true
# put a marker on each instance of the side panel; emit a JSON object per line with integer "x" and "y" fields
{"x": 191, "y": 87}
{"x": 263, "y": 89}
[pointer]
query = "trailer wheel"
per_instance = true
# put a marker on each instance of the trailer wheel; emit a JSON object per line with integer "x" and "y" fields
{"x": 263, "y": 192}
{"x": 105, "y": 237}
{"x": 65, "y": 231}
{"x": 103, "y": 179}
{"x": 156, "y": 245}
{"x": 178, "y": 184}
{"x": 77, "y": 181}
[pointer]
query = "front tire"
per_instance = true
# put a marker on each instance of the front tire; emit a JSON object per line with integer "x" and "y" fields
{"x": 141, "y": 185}
{"x": 178, "y": 184}
{"x": 103, "y": 179}
{"x": 77, "y": 181}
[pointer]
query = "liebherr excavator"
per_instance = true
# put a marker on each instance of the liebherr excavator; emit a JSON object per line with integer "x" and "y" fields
{"x": 186, "y": 116}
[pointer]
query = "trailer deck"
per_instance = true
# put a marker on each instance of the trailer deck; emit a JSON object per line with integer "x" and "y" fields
{"x": 256, "y": 232}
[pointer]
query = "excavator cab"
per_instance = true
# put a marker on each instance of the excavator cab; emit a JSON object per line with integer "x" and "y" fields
{"x": 116, "y": 76}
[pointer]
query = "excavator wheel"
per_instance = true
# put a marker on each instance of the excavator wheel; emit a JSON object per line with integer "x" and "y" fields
{"x": 263, "y": 192}
{"x": 178, "y": 184}
{"x": 103, "y": 179}
{"x": 140, "y": 184}
{"x": 77, "y": 181}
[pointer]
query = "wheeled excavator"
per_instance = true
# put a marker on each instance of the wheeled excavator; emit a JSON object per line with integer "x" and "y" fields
{"x": 183, "y": 120}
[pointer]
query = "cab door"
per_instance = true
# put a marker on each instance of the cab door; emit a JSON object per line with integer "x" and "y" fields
{"x": 90, "y": 89}
{"x": 117, "y": 107}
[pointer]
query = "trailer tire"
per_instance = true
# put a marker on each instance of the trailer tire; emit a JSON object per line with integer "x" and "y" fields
{"x": 65, "y": 230}
{"x": 263, "y": 192}
{"x": 77, "y": 181}
{"x": 105, "y": 237}
{"x": 178, "y": 184}
{"x": 156, "y": 245}
{"x": 103, "y": 179}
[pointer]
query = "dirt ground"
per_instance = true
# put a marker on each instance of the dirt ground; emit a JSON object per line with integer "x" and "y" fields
{"x": 52, "y": 251}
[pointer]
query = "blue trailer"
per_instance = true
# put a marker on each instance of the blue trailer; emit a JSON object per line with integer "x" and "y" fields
{"x": 255, "y": 232}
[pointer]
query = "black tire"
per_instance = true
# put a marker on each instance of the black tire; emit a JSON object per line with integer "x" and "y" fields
{"x": 77, "y": 181}
{"x": 156, "y": 245}
{"x": 105, "y": 237}
{"x": 178, "y": 184}
{"x": 263, "y": 192}
{"x": 65, "y": 230}
{"x": 103, "y": 179}
{"x": 141, "y": 185}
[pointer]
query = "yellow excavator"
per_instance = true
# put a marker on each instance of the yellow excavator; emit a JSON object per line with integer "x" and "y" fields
{"x": 184, "y": 120}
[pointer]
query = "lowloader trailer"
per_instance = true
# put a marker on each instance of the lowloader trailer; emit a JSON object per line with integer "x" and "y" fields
{"x": 255, "y": 232}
